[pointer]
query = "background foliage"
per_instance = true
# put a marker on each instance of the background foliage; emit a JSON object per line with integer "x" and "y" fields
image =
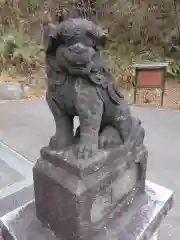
{"x": 138, "y": 31}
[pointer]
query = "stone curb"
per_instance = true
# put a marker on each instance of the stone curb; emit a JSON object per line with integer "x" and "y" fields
{"x": 14, "y": 91}
{"x": 16, "y": 180}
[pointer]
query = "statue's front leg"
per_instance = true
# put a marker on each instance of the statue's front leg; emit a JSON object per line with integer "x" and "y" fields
{"x": 64, "y": 124}
{"x": 89, "y": 135}
{"x": 90, "y": 109}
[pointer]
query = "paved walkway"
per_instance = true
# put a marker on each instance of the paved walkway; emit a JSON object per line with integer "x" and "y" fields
{"x": 26, "y": 126}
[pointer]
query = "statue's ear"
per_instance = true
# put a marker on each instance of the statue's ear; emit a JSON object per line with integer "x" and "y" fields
{"x": 99, "y": 40}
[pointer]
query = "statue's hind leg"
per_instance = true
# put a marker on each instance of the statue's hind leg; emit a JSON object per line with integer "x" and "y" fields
{"x": 64, "y": 124}
{"x": 129, "y": 127}
{"x": 109, "y": 137}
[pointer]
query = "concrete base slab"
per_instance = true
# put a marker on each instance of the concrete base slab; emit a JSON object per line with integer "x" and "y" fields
{"x": 16, "y": 183}
{"x": 140, "y": 222}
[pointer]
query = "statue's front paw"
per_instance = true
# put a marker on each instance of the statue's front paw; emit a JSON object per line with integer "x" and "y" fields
{"x": 85, "y": 151}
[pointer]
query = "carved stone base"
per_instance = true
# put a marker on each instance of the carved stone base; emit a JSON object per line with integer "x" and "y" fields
{"x": 76, "y": 198}
{"x": 146, "y": 212}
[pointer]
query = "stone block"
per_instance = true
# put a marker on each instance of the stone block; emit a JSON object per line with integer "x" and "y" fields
{"x": 76, "y": 197}
{"x": 140, "y": 222}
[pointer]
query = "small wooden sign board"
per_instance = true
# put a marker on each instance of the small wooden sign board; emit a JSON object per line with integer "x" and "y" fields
{"x": 150, "y": 75}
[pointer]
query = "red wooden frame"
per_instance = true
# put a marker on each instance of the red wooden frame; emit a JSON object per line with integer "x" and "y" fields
{"x": 150, "y": 76}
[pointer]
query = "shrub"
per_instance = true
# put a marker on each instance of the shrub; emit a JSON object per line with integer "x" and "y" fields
{"x": 138, "y": 31}
{"x": 21, "y": 52}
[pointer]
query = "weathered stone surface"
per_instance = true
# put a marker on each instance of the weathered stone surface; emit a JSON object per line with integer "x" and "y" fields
{"x": 67, "y": 159}
{"x": 76, "y": 198}
{"x": 140, "y": 222}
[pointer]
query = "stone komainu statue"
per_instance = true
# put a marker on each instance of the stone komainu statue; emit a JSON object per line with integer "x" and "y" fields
{"x": 79, "y": 84}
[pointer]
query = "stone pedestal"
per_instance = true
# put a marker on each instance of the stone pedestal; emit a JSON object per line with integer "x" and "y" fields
{"x": 140, "y": 222}
{"x": 103, "y": 198}
{"x": 76, "y": 198}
